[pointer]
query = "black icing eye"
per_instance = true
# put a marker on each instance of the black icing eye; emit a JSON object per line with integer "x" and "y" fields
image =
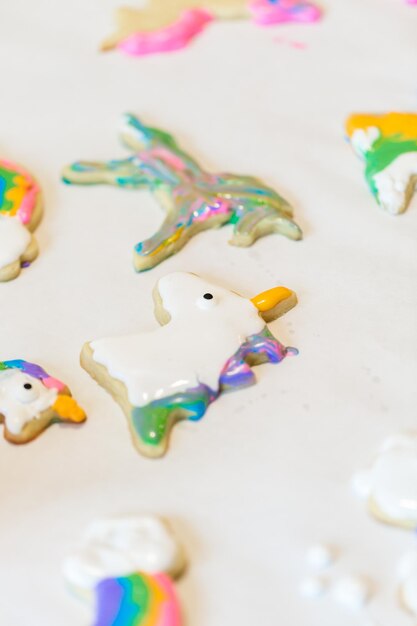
{"x": 27, "y": 386}
{"x": 208, "y": 296}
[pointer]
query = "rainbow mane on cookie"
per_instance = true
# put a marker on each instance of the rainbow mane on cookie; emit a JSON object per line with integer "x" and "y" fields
{"x": 31, "y": 369}
{"x": 18, "y": 192}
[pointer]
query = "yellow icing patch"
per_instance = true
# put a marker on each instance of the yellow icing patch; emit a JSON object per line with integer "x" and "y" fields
{"x": 266, "y": 300}
{"x": 17, "y": 193}
{"x": 389, "y": 124}
{"x": 68, "y": 409}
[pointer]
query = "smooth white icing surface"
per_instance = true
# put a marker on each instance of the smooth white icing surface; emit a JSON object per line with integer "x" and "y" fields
{"x": 19, "y": 405}
{"x": 14, "y": 239}
{"x": 392, "y": 182}
{"x": 191, "y": 349}
{"x": 393, "y": 479}
{"x": 119, "y": 547}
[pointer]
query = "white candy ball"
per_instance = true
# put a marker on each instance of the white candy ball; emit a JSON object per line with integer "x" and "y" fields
{"x": 352, "y": 592}
{"x": 320, "y": 556}
{"x": 313, "y": 587}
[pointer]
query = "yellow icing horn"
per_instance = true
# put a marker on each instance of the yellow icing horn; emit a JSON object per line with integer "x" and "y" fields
{"x": 68, "y": 409}
{"x": 274, "y": 302}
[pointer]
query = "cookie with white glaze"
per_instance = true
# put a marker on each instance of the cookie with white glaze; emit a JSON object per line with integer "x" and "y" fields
{"x": 20, "y": 213}
{"x": 194, "y": 200}
{"x": 388, "y": 146}
{"x": 162, "y": 26}
{"x": 31, "y": 401}
{"x": 208, "y": 342}
{"x": 390, "y": 485}
{"x": 125, "y": 568}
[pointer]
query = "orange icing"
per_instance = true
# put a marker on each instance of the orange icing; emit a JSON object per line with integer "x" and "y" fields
{"x": 389, "y": 124}
{"x": 268, "y": 299}
{"x": 68, "y": 409}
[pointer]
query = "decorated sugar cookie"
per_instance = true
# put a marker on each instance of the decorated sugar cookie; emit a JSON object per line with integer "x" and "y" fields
{"x": 31, "y": 400}
{"x": 20, "y": 213}
{"x": 390, "y": 486}
{"x": 208, "y": 343}
{"x": 193, "y": 199}
{"x": 125, "y": 568}
{"x": 388, "y": 146}
{"x": 163, "y": 26}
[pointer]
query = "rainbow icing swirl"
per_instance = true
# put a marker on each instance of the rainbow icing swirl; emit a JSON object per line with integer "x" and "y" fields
{"x": 193, "y": 199}
{"x": 137, "y": 600}
{"x": 18, "y": 192}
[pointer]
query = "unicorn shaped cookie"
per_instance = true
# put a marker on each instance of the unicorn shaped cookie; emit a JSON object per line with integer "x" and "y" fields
{"x": 193, "y": 199}
{"x": 125, "y": 567}
{"x": 209, "y": 341}
{"x": 388, "y": 146}
{"x": 166, "y": 25}
{"x": 31, "y": 400}
{"x": 20, "y": 213}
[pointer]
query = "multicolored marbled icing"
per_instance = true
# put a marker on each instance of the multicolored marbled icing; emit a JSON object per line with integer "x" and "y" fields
{"x": 18, "y": 191}
{"x": 19, "y": 199}
{"x": 137, "y": 600}
{"x": 162, "y": 27}
{"x": 388, "y": 146}
{"x": 193, "y": 199}
{"x": 153, "y": 422}
{"x": 26, "y": 392}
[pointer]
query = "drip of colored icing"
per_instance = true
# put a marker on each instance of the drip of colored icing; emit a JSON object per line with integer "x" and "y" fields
{"x": 14, "y": 240}
{"x": 118, "y": 547}
{"x": 268, "y": 12}
{"x": 153, "y": 422}
{"x": 22, "y": 399}
{"x": 193, "y": 198}
{"x": 137, "y": 600}
{"x": 173, "y": 37}
{"x": 388, "y": 145}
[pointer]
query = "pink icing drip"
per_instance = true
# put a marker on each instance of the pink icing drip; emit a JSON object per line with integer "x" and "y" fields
{"x": 29, "y": 201}
{"x": 266, "y": 13}
{"x": 171, "y": 611}
{"x": 172, "y": 37}
{"x": 53, "y": 383}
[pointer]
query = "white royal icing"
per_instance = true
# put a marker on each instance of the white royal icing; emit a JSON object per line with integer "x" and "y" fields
{"x": 392, "y": 182}
{"x": 120, "y": 547}
{"x": 14, "y": 239}
{"x": 393, "y": 479}
{"x": 192, "y": 348}
{"x": 363, "y": 139}
{"x": 20, "y": 405}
